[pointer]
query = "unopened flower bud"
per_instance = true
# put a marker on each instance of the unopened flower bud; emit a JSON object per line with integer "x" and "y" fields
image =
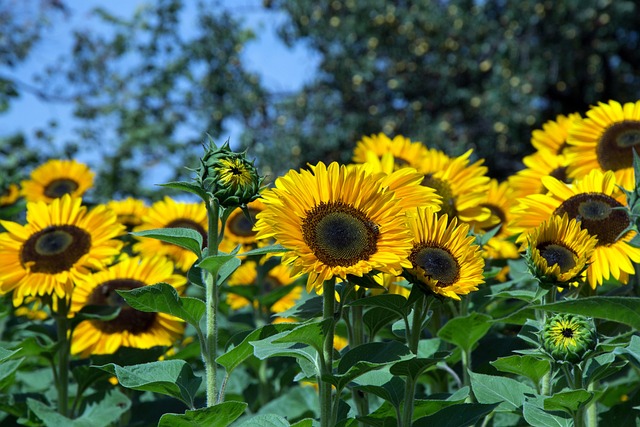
{"x": 569, "y": 337}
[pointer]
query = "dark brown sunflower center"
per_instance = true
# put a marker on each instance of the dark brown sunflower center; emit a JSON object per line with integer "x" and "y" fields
{"x": 187, "y": 223}
{"x": 130, "y": 220}
{"x": 560, "y": 173}
{"x": 339, "y": 234}
{"x": 437, "y": 263}
{"x": 400, "y": 163}
{"x": 59, "y": 187}
{"x": 567, "y": 333}
{"x": 616, "y": 143}
{"x": 129, "y": 319}
{"x": 242, "y": 226}
{"x": 596, "y": 213}
{"x": 444, "y": 190}
{"x": 55, "y": 249}
{"x": 558, "y": 254}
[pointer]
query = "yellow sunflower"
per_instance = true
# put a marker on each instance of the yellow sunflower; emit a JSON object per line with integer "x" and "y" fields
{"x": 405, "y": 153}
{"x": 129, "y": 211}
{"x": 169, "y": 213}
{"x": 131, "y": 328}
{"x": 598, "y": 203}
{"x": 61, "y": 242}
{"x": 559, "y": 250}
{"x": 335, "y": 221}
{"x": 10, "y": 195}
{"x": 239, "y": 228}
{"x": 444, "y": 260}
{"x": 529, "y": 180}
{"x": 56, "y": 178}
{"x": 605, "y": 140}
{"x": 553, "y": 135}
{"x": 462, "y": 187}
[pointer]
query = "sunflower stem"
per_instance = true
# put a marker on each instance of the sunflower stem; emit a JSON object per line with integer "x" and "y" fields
{"x": 413, "y": 336}
{"x": 326, "y": 366}
{"x": 592, "y": 409}
{"x": 211, "y": 300}
{"x": 356, "y": 338}
{"x": 62, "y": 329}
{"x": 549, "y": 298}
{"x": 579, "y": 416}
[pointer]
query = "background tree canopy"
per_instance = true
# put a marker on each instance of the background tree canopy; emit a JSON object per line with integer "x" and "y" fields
{"x": 455, "y": 75}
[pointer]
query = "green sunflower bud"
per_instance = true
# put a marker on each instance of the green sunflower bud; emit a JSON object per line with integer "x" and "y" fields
{"x": 228, "y": 176}
{"x": 569, "y": 337}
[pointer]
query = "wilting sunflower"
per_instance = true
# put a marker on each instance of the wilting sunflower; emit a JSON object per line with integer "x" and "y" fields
{"x": 10, "y": 195}
{"x": 56, "y": 178}
{"x": 169, "y": 213}
{"x": 462, "y": 187}
{"x": 335, "y": 221}
{"x": 131, "y": 328}
{"x": 529, "y": 180}
{"x": 444, "y": 260}
{"x": 129, "y": 211}
{"x": 405, "y": 153}
{"x": 598, "y": 204}
{"x": 278, "y": 276}
{"x": 558, "y": 251}
{"x": 553, "y": 135}
{"x": 605, "y": 140}
{"x": 60, "y": 242}
{"x": 239, "y": 228}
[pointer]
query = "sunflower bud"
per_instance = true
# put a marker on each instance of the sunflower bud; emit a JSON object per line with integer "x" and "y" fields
{"x": 569, "y": 337}
{"x": 228, "y": 176}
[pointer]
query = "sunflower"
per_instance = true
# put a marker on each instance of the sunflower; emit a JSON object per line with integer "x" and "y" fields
{"x": 335, "y": 221}
{"x": 558, "y": 251}
{"x": 462, "y": 187}
{"x": 569, "y": 337}
{"x": 598, "y": 203}
{"x": 605, "y": 140}
{"x": 529, "y": 180}
{"x": 129, "y": 211}
{"x": 405, "y": 153}
{"x": 444, "y": 260}
{"x": 56, "y": 178}
{"x": 60, "y": 242}
{"x": 239, "y": 228}
{"x": 10, "y": 195}
{"x": 169, "y": 213}
{"x": 131, "y": 328}
{"x": 553, "y": 135}
{"x": 278, "y": 276}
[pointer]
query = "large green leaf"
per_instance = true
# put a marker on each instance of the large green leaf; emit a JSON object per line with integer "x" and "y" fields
{"x": 383, "y": 384}
{"x": 173, "y": 378}
{"x": 631, "y": 351}
{"x": 215, "y": 263}
{"x": 528, "y": 366}
{"x": 392, "y": 302}
{"x": 265, "y": 420}
{"x": 602, "y": 366}
{"x": 268, "y": 347}
{"x": 376, "y": 318}
{"x": 465, "y": 331}
{"x": 188, "y": 187}
{"x": 461, "y": 415}
{"x": 163, "y": 298}
{"x": 509, "y": 393}
{"x": 220, "y": 415}
{"x": 186, "y": 238}
{"x": 538, "y": 417}
{"x": 567, "y": 401}
{"x": 310, "y": 333}
{"x": 293, "y": 403}
{"x": 616, "y": 309}
{"x": 414, "y": 367}
{"x": 265, "y": 250}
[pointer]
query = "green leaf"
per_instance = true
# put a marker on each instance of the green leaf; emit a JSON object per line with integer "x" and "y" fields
{"x": 382, "y": 384}
{"x": 238, "y": 354}
{"x": 307, "y": 308}
{"x": 538, "y": 417}
{"x": 414, "y": 367}
{"x": 461, "y": 415}
{"x": 227, "y": 269}
{"x": 186, "y": 238}
{"x": 465, "y": 331}
{"x": 528, "y": 366}
{"x": 602, "y": 366}
{"x": 188, "y": 187}
{"x": 220, "y": 415}
{"x": 509, "y": 393}
{"x": 265, "y": 420}
{"x": 214, "y": 263}
{"x": 102, "y": 414}
{"x": 567, "y": 401}
{"x": 267, "y": 347}
{"x": 173, "y": 378}
{"x": 7, "y": 369}
{"x": 95, "y": 312}
{"x": 7, "y": 354}
{"x": 311, "y": 333}
{"x": 392, "y": 302}
{"x": 293, "y": 403}
{"x": 624, "y": 310}
{"x": 376, "y": 318}
{"x": 631, "y": 351}
{"x": 163, "y": 298}
{"x": 265, "y": 250}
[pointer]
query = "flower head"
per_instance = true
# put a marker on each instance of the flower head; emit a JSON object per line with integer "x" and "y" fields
{"x": 56, "y": 178}
{"x": 568, "y": 337}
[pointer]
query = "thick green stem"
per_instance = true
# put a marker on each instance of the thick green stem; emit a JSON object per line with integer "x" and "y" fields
{"x": 579, "y": 417}
{"x": 413, "y": 340}
{"x": 356, "y": 338}
{"x": 326, "y": 365}
{"x": 592, "y": 409}
{"x": 211, "y": 300}
{"x": 545, "y": 387}
{"x": 62, "y": 383}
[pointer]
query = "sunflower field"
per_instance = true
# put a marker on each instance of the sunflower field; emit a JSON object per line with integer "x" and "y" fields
{"x": 406, "y": 288}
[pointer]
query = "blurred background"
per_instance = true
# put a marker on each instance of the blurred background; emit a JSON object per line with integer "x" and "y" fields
{"x": 132, "y": 88}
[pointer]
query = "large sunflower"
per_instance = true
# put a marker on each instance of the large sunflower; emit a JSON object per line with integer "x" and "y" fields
{"x": 131, "y": 328}
{"x": 61, "y": 242}
{"x": 444, "y": 260}
{"x": 169, "y": 213}
{"x": 461, "y": 185}
{"x": 335, "y": 221}
{"x": 553, "y": 135}
{"x": 558, "y": 250}
{"x": 56, "y": 178}
{"x": 405, "y": 152}
{"x": 605, "y": 140}
{"x": 598, "y": 203}
{"x": 539, "y": 164}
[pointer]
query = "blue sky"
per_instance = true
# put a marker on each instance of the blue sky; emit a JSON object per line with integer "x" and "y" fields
{"x": 281, "y": 69}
